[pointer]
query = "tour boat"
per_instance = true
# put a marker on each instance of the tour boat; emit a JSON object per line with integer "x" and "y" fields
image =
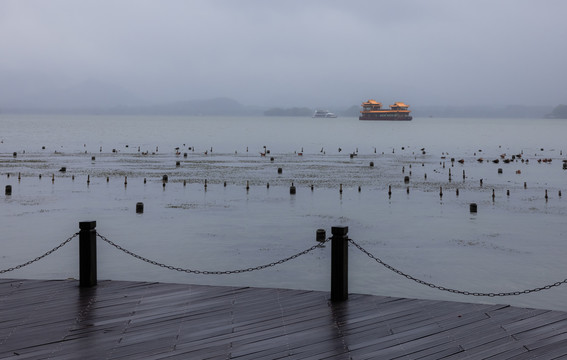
{"x": 372, "y": 110}
{"x": 323, "y": 114}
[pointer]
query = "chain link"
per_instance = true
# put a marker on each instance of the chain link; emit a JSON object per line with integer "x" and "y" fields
{"x": 454, "y": 291}
{"x": 260, "y": 267}
{"x": 42, "y": 256}
{"x": 206, "y": 272}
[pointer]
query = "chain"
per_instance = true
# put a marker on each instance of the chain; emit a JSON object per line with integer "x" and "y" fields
{"x": 454, "y": 291}
{"x": 205, "y": 272}
{"x": 42, "y": 256}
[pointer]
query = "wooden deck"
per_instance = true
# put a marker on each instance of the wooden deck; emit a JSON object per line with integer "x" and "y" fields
{"x": 132, "y": 320}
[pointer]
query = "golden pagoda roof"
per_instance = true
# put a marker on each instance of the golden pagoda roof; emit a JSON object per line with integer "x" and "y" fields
{"x": 401, "y": 104}
{"x": 372, "y": 102}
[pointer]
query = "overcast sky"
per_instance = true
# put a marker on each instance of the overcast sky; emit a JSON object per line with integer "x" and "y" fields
{"x": 287, "y": 53}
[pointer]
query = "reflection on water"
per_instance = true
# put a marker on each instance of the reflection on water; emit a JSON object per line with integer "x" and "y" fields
{"x": 514, "y": 242}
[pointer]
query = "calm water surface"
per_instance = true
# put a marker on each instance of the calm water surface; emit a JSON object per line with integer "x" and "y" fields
{"x": 514, "y": 242}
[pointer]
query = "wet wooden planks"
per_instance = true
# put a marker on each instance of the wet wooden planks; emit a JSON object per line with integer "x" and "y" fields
{"x": 131, "y": 320}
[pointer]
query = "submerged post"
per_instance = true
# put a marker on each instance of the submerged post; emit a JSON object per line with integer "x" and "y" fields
{"x": 339, "y": 263}
{"x": 87, "y": 254}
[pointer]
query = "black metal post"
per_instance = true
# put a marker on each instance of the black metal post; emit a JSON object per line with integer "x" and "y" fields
{"x": 87, "y": 254}
{"x": 339, "y": 263}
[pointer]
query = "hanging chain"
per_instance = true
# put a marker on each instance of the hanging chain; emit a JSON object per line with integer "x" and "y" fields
{"x": 42, "y": 256}
{"x": 205, "y": 272}
{"x": 454, "y": 291}
{"x": 260, "y": 267}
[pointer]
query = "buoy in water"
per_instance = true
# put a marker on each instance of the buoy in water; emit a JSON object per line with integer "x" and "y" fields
{"x": 321, "y": 235}
{"x": 473, "y": 208}
{"x": 292, "y": 189}
{"x": 280, "y": 170}
{"x": 139, "y": 208}
{"x": 8, "y": 190}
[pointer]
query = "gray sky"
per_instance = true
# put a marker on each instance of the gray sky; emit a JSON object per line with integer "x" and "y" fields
{"x": 304, "y": 53}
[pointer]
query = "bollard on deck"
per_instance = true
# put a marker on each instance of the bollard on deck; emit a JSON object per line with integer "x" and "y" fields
{"x": 339, "y": 263}
{"x": 87, "y": 254}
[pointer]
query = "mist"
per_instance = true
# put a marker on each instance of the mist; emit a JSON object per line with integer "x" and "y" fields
{"x": 294, "y": 53}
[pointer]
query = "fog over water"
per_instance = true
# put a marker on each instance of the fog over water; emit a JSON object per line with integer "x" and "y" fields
{"x": 514, "y": 242}
{"x": 294, "y": 53}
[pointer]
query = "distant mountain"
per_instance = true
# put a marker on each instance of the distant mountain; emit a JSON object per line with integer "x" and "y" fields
{"x": 296, "y": 111}
{"x": 353, "y": 111}
{"x": 559, "y": 112}
{"x": 482, "y": 111}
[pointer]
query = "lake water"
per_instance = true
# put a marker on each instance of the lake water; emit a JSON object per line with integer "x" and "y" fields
{"x": 514, "y": 242}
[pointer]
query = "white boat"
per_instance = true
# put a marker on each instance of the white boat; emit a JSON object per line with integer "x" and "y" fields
{"x": 323, "y": 114}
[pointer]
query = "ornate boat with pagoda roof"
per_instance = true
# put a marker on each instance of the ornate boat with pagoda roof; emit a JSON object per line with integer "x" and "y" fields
{"x": 372, "y": 110}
